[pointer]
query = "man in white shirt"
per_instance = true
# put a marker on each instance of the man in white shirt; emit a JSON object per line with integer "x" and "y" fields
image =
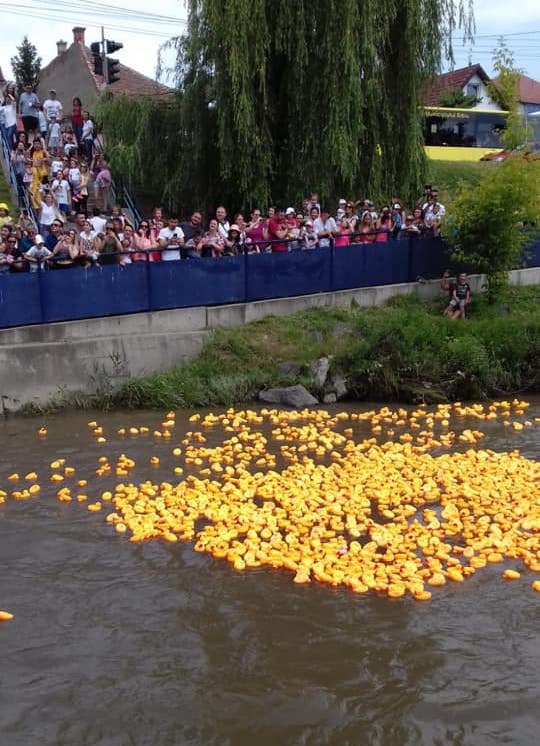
{"x": 223, "y": 223}
{"x": 37, "y": 254}
{"x": 60, "y": 189}
{"x": 97, "y": 221}
{"x": 52, "y": 107}
{"x": 87, "y": 136}
{"x": 427, "y": 207}
{"x": 171, "y": 239}
{"x": 325, "y": 227}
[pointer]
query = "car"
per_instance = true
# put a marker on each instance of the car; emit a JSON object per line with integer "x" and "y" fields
{"x": 530, "y": 151}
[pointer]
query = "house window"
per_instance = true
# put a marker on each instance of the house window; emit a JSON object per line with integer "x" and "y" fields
{"x": 472, "y": 90}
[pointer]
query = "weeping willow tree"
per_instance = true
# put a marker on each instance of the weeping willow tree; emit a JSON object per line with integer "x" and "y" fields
{"x": 278, "y": 97}
{"x": 320, "y": 94}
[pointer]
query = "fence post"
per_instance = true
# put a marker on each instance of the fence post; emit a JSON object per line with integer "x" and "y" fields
{"x": 410, "y": 260}
{"x": 40, "y": 293}
{"x": 246, "y": 265}
{"x": 332, "y": 255}
{"x": 149, "y": 284}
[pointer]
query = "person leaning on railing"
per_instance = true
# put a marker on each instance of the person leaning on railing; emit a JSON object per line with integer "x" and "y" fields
{"x": 67, "y": 252}
{"x": 111, "y": 247}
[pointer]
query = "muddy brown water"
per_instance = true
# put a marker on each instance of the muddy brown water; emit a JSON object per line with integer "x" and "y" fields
{"x": 121, "y": 644}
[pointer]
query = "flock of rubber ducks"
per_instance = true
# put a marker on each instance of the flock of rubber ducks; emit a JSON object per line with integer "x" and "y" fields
{"x": 413, "y": 507}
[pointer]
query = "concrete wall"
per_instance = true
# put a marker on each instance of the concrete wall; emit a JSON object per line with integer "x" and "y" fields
{"x": 39, "y": 362}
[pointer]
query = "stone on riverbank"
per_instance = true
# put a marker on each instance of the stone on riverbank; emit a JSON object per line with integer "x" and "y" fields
{"x": 292, "y": 396}
{"x": 319, "y": 371}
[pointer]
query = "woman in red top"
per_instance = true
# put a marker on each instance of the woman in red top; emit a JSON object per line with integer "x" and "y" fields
{"x": 365, "y": 229}
{"x": 342, "y": 239}
{"x": 77, "y": 119}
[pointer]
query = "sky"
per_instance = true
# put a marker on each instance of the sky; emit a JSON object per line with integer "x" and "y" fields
{"x": 142, "y": 35}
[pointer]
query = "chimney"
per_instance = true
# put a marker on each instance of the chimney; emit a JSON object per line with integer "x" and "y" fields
{"x": 78, "y": 34}
{"x": 61, "y": 47}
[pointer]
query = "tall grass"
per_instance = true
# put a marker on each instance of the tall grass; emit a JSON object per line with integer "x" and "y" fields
{"x": 404, "y": 351}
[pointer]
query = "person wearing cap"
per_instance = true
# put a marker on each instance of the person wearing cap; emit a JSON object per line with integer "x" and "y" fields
{"x": 52, "y": 107}
{"x": 325, "y": 227}
{"x": 310, "y": 239}
{"x": 5, "y": 217}
{"x": 233, "y": 242}
{"x": 340, "y": 212}
{"x": 38, "y": 255}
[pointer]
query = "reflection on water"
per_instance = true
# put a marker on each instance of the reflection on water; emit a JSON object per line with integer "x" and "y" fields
{"x": 153, "y": 644}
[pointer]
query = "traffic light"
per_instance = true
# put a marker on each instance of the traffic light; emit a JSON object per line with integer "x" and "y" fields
{"x": 113, "y": 70}
{"x": 97, "y": 60}
{"x": 113, "y": 46}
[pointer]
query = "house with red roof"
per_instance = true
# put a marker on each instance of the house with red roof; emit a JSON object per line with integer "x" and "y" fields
{"x": 71, "y": 73}
{"x": 472, "y": 81}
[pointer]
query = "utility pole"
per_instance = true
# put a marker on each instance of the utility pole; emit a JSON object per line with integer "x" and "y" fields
{"x": 104, "y": 55}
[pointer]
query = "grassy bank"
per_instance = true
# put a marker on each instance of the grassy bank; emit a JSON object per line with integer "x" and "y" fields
{"x": 405, "y": 351}
{"x": 449, "y": 175}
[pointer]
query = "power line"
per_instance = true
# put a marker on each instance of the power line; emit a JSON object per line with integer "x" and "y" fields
{"x": 112, "y": 10}
{"x": 23, "y": 10}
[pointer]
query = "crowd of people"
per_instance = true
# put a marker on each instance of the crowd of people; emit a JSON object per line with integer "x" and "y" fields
{"x": 67, "y": 183}
{"x": 67, "y": 235}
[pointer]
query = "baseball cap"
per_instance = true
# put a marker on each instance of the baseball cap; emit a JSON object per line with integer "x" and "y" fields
{"x": 38, "y": 239}
{"x": 290, "y": 211}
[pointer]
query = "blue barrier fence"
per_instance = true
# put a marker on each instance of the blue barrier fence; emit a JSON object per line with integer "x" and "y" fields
{"x": 78, "y": 293}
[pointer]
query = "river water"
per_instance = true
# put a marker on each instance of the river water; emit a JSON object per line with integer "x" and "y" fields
{"x": 153, "y": 644}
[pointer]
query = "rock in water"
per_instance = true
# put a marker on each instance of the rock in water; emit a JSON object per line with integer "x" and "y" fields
{"x": 330, "y": 399}
{"x": 339, "y": 385}
{"x": 292, "y": 396}
{"x": 319, "y": 371}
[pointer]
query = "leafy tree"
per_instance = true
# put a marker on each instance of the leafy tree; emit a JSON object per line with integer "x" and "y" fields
{"x": 26, "y": 65}
{"x": 490, "y": 221}
{"x": 505, "y": 90}
{"x": 454, "y": 98}
{"x": 277, "y": 97}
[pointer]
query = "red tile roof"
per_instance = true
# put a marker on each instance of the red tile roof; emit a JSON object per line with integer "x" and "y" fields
{"x": 453, "y": 79}
{"x": 131, "y": 82}
{"x": 529, "y": 90}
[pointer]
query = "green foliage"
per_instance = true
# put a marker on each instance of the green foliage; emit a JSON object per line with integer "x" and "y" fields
{"x": 488, "y": 221}
{"x": 505, "y": 90}
{"x": 454, "y": 98}
{"x": 277, "y": 97}
{"x": 26, "y": 65}
{"x": 405, "y": 351}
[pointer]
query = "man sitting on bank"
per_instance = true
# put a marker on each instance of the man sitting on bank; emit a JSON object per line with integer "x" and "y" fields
{"x": 460, "y": 297}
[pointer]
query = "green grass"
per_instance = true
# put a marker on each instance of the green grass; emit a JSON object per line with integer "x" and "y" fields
{"x": 405, "y": 351}
{"x": 448, "y": 175}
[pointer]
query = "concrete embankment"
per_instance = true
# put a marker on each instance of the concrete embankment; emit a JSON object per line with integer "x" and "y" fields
{"x": 92, "y": 355}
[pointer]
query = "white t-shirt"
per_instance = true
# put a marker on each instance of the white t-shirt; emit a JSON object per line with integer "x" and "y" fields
{"x": 47, "y": 215}
{"x": 52, "y": 108}
{"x": 38, "y": 252}
{"x": 60, "y": 189}
{"x": 54, "y": 131}
{"x": 87, "y": 129}
{"x": 74, "y": 176}
{"x": 42, "y": 122}
{"x": 98, "y": 224}
{"x": 10, "y": 114}
{"x": 223, "y": 229}
{"x": 166, "y": 234}
{"x": 320, "y": 226}
{"x": 56, "y": 166}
